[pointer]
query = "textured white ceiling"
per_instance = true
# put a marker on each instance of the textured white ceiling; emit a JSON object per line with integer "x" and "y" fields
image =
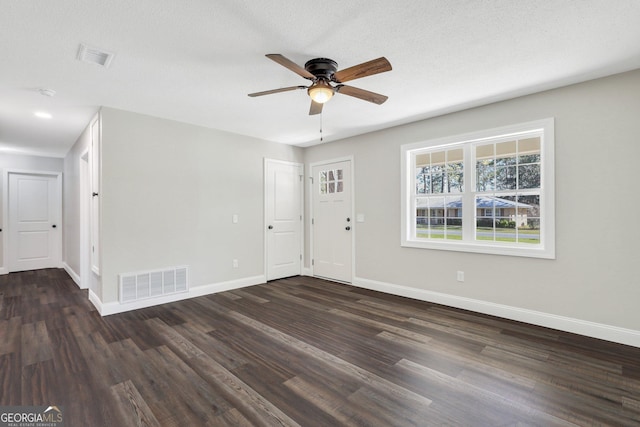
{"x": 196, "y": 60}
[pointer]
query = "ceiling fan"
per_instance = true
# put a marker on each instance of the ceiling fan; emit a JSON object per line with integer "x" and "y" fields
{"x": 323, "y": 72}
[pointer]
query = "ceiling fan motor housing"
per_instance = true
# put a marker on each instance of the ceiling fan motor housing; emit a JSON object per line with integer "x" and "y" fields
{"x": 321, "y": 67}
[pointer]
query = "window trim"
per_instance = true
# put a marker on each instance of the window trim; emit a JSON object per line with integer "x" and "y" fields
{"x": 546, "y": 248}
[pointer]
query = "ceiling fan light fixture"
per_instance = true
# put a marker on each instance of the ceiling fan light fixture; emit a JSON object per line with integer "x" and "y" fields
{"x": 321, "y": 91}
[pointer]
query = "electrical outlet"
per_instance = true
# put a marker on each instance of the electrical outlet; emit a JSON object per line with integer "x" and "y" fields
{"x": 235, "y": 263}
{"x": 460, "y": 276}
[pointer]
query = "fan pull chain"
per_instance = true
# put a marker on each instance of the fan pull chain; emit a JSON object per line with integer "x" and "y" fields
{"x": 321, "y": 127}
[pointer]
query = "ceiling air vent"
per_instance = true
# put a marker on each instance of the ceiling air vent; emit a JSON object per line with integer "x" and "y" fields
{"x": 94, "y": 55}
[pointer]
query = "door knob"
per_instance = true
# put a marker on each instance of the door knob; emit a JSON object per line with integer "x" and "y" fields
{"x": 348, "y": 219}
{"x": 347, "y": 228}
{"x": 94, "y": 194}
{"x": 270, "y": 227}
{"x": 53, "y": 226}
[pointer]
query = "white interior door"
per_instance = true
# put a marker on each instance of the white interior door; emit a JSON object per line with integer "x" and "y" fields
{"x": 332, "y": 221}
{"x": 34, "y": 221}
{"x": 283, "y": 218}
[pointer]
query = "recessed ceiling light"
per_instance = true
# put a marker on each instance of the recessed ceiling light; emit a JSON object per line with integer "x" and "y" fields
{"x": 94, "y": 55}
{"x": 42, "y": 115}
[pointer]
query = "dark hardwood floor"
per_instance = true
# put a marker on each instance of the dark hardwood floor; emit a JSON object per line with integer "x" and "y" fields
{"x": 300, "y": 351}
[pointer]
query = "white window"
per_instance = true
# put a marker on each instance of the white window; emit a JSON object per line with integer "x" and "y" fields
{"x": 490, "y": 191}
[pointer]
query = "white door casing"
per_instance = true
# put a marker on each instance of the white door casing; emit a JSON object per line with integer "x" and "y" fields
{"x": 332, "y": 221}
{"x": 94, "y": 171}
{"x": 283, "y": 218}
{"x": 85, "y": 222}
{"x": 35, "y": 232}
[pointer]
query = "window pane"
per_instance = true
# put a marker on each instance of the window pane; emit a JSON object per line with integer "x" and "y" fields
{"x": 455, "y": 156}
{"x": 506, "y": 178}
{"x": 332, "y": 187}
{"x": 323, "y": 188}
{"x": 529, "y": 176}
{"x": 506, "y": 153}
{"x": 529, "y": 146}
{"x": 485, "y": 152}
{"x": 339, "y": 174}
{"x": 437, "y": 179}
{"x": 422, "y": 219}
{"x": 436, "y": 217}
{"x": 340, "y": 187}
{"x": 323, "y": 176}
{"x": 484, "y": 218}
{"x": 438, "y": 158}
{"x": 528, "y": 158}
{"x": 454, "y": 218}
{"x": 423, "y": 180}
{"x": 528, "y": 219}
{"x": 455, "y": 177}
{"x": 485, "y": 174}
{"x": 423, "y": 160}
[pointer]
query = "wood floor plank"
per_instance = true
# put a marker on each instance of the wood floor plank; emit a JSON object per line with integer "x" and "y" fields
{"x": 10, "y": 335}
{"x": 10, "y": 379}
{"x": 38, "y": 379}
{"x": 132, "y": 406}
{"x": 331, "y": 403}
{"x": 36, "y": 345}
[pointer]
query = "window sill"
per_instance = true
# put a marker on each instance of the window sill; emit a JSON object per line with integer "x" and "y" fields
{"x": 494, "y": 249}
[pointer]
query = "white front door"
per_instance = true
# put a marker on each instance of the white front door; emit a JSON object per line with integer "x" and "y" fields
{"x": 283, "y": 218}
{"x": 332, "y": 221}
{"x": 34, "y": 221}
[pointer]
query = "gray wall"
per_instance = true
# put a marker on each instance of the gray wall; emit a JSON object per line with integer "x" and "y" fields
{"x": 26, "y": 163}
{"x": 169, "y": 191}
{"x": 71, "y": 195}
{"x": 597, "y": 149}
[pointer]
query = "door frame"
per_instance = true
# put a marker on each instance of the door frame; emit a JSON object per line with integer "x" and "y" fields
{"x": 84, "y": 198}
{"x": 5, "y": 213}
{"x": 264, "y": 212}
{"x": 354, "y": 229}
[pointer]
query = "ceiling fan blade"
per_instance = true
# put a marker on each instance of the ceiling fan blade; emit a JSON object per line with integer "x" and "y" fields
{"x": 269, "y": 92}
{"x": 365, "y": 69}
{"x": 287, "y": 63}
{"x": 316, "y": 108}
{"x": 365, "y": 95}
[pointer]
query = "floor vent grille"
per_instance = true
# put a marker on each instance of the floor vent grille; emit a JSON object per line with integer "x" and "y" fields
{"x": 152, "y": 284}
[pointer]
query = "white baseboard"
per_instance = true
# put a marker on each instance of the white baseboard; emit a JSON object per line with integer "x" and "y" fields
{"x": 562, "y": 323}
{"x": 75, "y": 276}
{"x": 4, "y": 270}
{"x": 106, "y": 309}
{"x": 95, "y": 300}
{"x": 307, "y": 272}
